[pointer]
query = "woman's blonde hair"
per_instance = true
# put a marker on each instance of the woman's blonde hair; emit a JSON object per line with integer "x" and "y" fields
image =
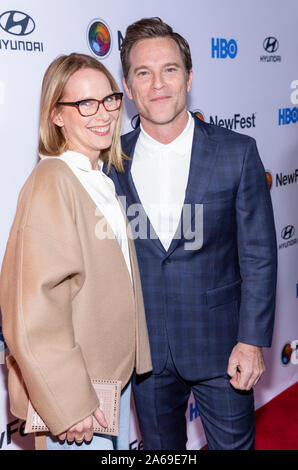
{"x": 51, "y": 138}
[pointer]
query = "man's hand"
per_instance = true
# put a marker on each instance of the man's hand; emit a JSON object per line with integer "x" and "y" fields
{"x": 246, "y": 365}
{"x": 84, "y": 429}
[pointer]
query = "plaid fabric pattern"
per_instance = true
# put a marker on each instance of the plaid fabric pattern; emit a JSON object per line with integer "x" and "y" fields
{"x": 202, "y": 301}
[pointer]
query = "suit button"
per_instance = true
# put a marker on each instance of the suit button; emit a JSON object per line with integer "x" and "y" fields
{"x": 167, "y": 261}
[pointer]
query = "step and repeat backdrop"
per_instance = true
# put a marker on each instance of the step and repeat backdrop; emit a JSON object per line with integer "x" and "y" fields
{"x": 245, "y": 78}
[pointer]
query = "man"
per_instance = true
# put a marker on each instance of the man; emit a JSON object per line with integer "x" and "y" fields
{"x": 208, "y": 260}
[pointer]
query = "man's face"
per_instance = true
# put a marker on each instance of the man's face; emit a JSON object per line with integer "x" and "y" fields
{"x": 157, "y": 81}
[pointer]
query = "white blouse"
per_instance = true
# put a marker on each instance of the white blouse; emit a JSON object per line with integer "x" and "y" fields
{"x": 101, "y": 189}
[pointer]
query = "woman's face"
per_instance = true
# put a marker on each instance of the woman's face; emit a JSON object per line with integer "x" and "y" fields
{"x": 86, "y": 135}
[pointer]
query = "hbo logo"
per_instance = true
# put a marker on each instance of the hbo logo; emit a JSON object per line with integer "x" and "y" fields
{"x": 287, "y": 116}
{"x": 221, "y": 48}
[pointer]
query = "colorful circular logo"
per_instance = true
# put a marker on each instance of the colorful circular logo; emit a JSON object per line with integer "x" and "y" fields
{"x": 286, "y": 354}
{"x": 199, "y": 114}
{"x": 99, "y": 38}
{"x": 269, "y": 179}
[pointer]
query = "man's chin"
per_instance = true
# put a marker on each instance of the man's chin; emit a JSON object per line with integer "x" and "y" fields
{"x": 160, "y": 119}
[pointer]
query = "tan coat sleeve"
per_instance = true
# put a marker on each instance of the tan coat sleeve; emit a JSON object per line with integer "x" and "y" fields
{"x": 43, "y": 269}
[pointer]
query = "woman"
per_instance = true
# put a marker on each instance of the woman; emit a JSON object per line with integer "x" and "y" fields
{"x": 70, "y": 290}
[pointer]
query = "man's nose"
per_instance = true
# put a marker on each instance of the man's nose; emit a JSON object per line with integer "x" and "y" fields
{"x": 158, "y": 80}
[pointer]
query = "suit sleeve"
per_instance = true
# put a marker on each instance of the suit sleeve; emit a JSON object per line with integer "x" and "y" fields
{"x": 257, "y": 252}
{"x": 42, "y": 272}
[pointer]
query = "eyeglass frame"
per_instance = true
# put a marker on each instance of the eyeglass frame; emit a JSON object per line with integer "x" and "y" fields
{"x": 76, "y": 104}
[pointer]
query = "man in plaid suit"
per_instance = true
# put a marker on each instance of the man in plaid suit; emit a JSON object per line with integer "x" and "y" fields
{"x": 198, "y": 202}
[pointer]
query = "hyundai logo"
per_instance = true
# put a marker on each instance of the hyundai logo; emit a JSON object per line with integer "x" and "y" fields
{"x": 17, "y": 23}
{"x": 288, "y": 232}
{"x": 271, "y": 44}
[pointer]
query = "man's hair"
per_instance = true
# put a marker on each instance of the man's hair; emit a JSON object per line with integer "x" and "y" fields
{"x": 51, "y": 138}
{"x": 148, "y": 28}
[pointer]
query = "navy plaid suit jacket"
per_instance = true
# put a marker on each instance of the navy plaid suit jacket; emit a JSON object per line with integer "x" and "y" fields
{"x": 202, "y": 301}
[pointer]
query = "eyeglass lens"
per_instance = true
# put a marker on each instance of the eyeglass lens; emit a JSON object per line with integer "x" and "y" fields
{"x": 89, "y": 107}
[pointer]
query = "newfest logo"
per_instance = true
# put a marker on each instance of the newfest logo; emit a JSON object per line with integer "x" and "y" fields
{"x": 282, "y": 179}
{"x": 270, "y": 45}
{"x": 199, "y": 114}
{"x": 99, "y": 38}
{"x": 289, "y": 353}
{"x": 190, "y": 226}
{"x": 20, "y": 24}
{"x": 269, "y": 178}
{"x": 290, "y": 115}
{"x": 235, "y": 122}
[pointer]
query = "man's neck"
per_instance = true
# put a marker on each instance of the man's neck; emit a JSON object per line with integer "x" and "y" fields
{"x": 166, "y": 133}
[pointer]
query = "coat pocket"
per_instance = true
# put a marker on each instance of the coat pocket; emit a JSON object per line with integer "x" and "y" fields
{"x": 224, "y": 294}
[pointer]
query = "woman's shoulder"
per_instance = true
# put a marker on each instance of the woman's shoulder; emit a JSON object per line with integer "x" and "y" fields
{"x": 50, "y": 178}
{"x": 52, "y": 173}
{"x": 49, "y": 192}
{"x": 51, "y": 167}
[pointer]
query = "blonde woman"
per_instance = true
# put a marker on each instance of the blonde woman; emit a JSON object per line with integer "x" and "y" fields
{"x": 70, "y": 291}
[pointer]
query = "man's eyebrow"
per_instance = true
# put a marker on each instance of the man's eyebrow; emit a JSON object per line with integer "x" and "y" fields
{"x": 171, "y": 64}
{"x": 168, "y": 64}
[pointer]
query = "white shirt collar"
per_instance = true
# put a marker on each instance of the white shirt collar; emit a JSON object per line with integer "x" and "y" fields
{"x": 177, "y": 146}
{"x": 77, "y": 160}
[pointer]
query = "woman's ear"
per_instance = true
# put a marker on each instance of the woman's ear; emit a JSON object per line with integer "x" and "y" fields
{"x": 56, "y": 117}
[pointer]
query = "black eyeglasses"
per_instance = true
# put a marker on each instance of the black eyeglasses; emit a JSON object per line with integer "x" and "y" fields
{"x": 90, "y": 107}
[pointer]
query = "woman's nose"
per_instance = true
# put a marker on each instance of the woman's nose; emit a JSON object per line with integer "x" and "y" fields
{"x": 102, "y": 113}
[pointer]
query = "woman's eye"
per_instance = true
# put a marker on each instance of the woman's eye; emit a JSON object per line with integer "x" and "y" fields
{"x": 87, "y": 103}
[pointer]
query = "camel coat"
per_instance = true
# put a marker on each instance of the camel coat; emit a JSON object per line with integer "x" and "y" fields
{"x": 70, "y": 311}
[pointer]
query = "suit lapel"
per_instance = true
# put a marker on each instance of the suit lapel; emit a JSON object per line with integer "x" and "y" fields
{"x": 128, "y": 187}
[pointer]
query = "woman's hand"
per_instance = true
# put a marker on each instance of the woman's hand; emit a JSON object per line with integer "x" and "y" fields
{"x": 84, "y": 429}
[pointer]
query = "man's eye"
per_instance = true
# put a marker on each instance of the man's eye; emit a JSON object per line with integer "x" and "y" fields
{"x": 142, "y": 73}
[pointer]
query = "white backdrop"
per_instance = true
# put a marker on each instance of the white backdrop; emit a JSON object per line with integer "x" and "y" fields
{"x": 245, "y": 77}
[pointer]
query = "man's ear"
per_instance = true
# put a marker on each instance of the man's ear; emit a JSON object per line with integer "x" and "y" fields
{"x": 56, "y": 117}
{"x": 127, "y": 88}
{"x": 189, "y": 81}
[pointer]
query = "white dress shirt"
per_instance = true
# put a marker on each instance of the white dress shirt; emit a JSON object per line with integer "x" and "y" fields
{"x": 101, "y": 189}
{"x": 160, "y": 174}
